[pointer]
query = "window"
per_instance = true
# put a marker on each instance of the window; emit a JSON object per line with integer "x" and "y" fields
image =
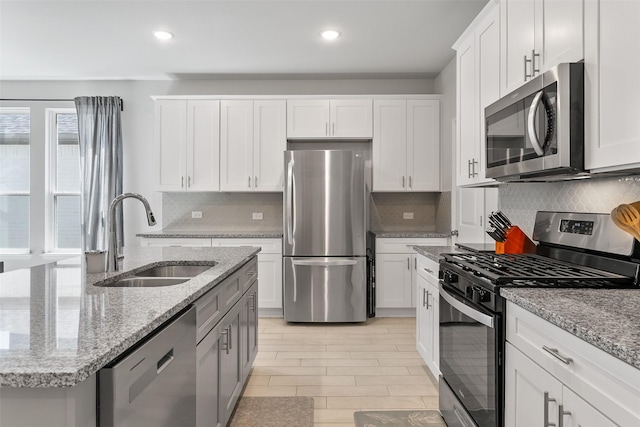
{"x": 65, "y": 181}
{"x": 39, "y": 179}
{"x": 15, "y": 133}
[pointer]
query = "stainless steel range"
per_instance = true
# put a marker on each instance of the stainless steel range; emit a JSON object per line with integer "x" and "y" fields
{"x": 575, "y": 250}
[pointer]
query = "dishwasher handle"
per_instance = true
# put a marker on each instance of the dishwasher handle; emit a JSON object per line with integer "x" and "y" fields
{"x": 164, "y": 361}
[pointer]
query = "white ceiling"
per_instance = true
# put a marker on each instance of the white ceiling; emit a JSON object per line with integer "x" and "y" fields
{"x": 94, "y": 39}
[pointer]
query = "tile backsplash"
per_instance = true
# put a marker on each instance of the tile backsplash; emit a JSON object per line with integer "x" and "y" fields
{"x": 222, "y": 211}
{"x": 233, "y": 211}
{"x": 431, "y": 211}
{"x": 521, "y": 201}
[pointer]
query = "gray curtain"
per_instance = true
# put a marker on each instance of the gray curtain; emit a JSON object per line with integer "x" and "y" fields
{"x": 100, "y": 138}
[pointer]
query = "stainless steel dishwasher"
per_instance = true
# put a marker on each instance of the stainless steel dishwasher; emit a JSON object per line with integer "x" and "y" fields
{"x": 155, "y": 384}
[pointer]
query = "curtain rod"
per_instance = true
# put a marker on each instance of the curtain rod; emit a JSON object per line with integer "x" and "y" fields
{"x": 53, "y": 99}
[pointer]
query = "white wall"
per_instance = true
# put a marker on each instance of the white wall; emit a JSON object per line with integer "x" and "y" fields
{"x": 137, "y": 118}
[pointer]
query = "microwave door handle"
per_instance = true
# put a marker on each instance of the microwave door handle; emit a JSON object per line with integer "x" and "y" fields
{"x": 289, "y": 197}
{"x": 533, "y": 135}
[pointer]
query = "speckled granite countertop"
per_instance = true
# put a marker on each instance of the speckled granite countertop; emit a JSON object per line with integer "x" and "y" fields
{"x": 433, "y": 252}
{"x": 214, "y": 234}
{"x": 608, "y": 319}
{"x": 57, "y": 328}
{"x": 412, "y": 234}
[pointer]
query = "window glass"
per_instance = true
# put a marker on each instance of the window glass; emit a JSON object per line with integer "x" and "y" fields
{"x": 67, "y": 222}
{"x": 15, "y": 134}
{"x": 67, "y": 153}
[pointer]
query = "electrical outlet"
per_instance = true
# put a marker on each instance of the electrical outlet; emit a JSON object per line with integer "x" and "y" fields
{"x": 407, "y": 215}
{"x": 257, "y": 215}
{"x": 196, "y": 214}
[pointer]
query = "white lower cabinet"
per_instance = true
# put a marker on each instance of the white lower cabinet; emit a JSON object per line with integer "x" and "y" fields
{"x": 554, "y": 378}
{"x": 396, "y": 266}
{"x": 428, "y": 313}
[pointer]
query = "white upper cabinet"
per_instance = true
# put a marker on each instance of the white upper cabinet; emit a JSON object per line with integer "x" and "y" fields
{"x": 612, "y": 128}
{"x": 252, "y": 140}
{"x": 406, "y": 145}
{"x": 536, "y": 35}
{"x": 478, "y": 84}
{"x": 324, "y": 118}
{"x": 187, "y": 145}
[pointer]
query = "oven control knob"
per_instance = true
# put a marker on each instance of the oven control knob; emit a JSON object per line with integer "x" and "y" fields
{"x": 480, "y": 295}
{"x": 450, "y": 277}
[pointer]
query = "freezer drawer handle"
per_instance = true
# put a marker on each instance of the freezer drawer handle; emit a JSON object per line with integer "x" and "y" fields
{"x": 332, "y": 263}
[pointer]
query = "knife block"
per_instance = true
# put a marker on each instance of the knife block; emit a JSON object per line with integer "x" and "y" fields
{"x": 516, "y": 242}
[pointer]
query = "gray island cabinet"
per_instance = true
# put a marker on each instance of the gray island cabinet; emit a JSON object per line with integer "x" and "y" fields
{"x": 58, "y": 330}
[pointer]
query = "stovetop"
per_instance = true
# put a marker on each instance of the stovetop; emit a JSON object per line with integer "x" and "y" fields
{"x": 530, "y": 270}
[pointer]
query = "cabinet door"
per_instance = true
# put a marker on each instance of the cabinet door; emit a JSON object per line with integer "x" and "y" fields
{"x": 612, "y": 128}
{"x": 469, "y": 214}
{"x": 487, "y": 47}
{"x": 351, "y": 118}
{"x": 207, "y": 402}
{"x": 269, "y": 144}
{"x": 307, "y": 118}
{"x": 518, "y": 41}
{"x": 270, "y": 280}
{"x": 423, "y": 145}
{"x": 230, "y": 362}
{"x": 559, "y": 32}
{"x": 467, "y": 135}
{"x": 171, "y": 144}
{"x": 393, "y": 280}
{"x": 203, "y": 146}
{"x": 390, "y": 145}
{"x": 526, "y": 385}
{"x": 236, "y": 145}
{"x": 578, "y": 413}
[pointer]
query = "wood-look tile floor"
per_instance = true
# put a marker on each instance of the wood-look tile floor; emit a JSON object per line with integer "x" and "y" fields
{"x": 344, "y": 367}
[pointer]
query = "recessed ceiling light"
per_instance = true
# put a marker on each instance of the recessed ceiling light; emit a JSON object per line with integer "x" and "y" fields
{"x": 330, "y": 34}
{"x": 163, "y": 35}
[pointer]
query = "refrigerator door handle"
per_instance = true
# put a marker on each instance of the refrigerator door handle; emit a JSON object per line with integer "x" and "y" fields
{"x": 289, "y": 196}
{"x": 331, "y": 263}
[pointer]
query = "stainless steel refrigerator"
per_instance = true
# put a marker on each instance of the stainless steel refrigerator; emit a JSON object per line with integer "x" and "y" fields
{"x": 326, "y": 196}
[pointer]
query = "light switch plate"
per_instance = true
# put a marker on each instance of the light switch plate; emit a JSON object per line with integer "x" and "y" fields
{"x": 196, "y": 214}
{"x": 407, "y": 215}
{"x": 257, "y": 215}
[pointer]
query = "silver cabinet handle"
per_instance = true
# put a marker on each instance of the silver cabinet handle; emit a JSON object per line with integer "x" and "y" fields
{"x": 326, "y": 128}
{"x": 424, "y": 297}
{"x": 225, "y": 342}
{"x": 526, "y": 75}
{"x": 252, "y": 302}
{"x": 410, "y": 183}
{"x": 415, "y": 263}
{"x": 230, "y": 336}
{"x": 255, "y": 182}
{"x": 409, "y": 263}
{"x": 182, "y": 182}
{"x": 403, "y": 182}
{"x": 547, "y": 400}
{"x": 428, "y": 294}
{"x": 249, "y": 178}
{"x": 561, "y": 414}
{"x": 469, "y": 168}
{"x": 474, "y": 162}
{"x": 428, "y": 270}
{"x": 555, "y": 353}
{"x": 534, "y": 70}
{"x": 189, "y": 182}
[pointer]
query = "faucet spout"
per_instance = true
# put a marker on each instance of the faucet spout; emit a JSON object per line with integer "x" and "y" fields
{"x": 112, "y": 251}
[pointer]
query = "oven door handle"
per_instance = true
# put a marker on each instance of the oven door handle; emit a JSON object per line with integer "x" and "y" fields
{"x": 466, "y": 310}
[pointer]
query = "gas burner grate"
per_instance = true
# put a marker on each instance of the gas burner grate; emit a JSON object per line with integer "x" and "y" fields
{"x": 506, "y": 268}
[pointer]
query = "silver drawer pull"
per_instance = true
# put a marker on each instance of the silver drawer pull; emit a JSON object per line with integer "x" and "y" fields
{"x": 555, "y": 353}
{"x": 428, "y": 270}
{"x": 547, "y": 400}
{"x": 225, "y": 341}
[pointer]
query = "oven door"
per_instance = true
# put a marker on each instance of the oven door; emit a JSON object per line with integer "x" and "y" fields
{"x": 470, "y": 353}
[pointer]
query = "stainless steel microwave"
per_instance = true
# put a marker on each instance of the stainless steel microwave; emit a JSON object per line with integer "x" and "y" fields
{"x": 536, "y": 133}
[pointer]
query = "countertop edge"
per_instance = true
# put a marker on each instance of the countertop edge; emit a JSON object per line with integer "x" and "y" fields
{"x": 211, "y": 235}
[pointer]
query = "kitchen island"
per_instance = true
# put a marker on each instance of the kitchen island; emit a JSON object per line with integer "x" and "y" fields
{"x": 57, "y": 328}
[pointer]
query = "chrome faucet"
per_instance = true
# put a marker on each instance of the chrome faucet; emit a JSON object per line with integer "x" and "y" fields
{"x": 112, "y": 251}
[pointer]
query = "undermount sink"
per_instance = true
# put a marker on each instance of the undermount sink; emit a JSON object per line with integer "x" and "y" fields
{"x": 173, "y": 271}
{"x": 147, "y": 282}
{"x": 163, "y": 275}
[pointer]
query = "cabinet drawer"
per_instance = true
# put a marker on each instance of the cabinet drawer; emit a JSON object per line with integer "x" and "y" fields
{"x": 166, "y": 242}
{"x": 207, "y": 312}
{"x": 401, "y": 245}
{"x": 606, "y": 382}
{"x": 428, "y": 269}
{"x": 249, "y": 273}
